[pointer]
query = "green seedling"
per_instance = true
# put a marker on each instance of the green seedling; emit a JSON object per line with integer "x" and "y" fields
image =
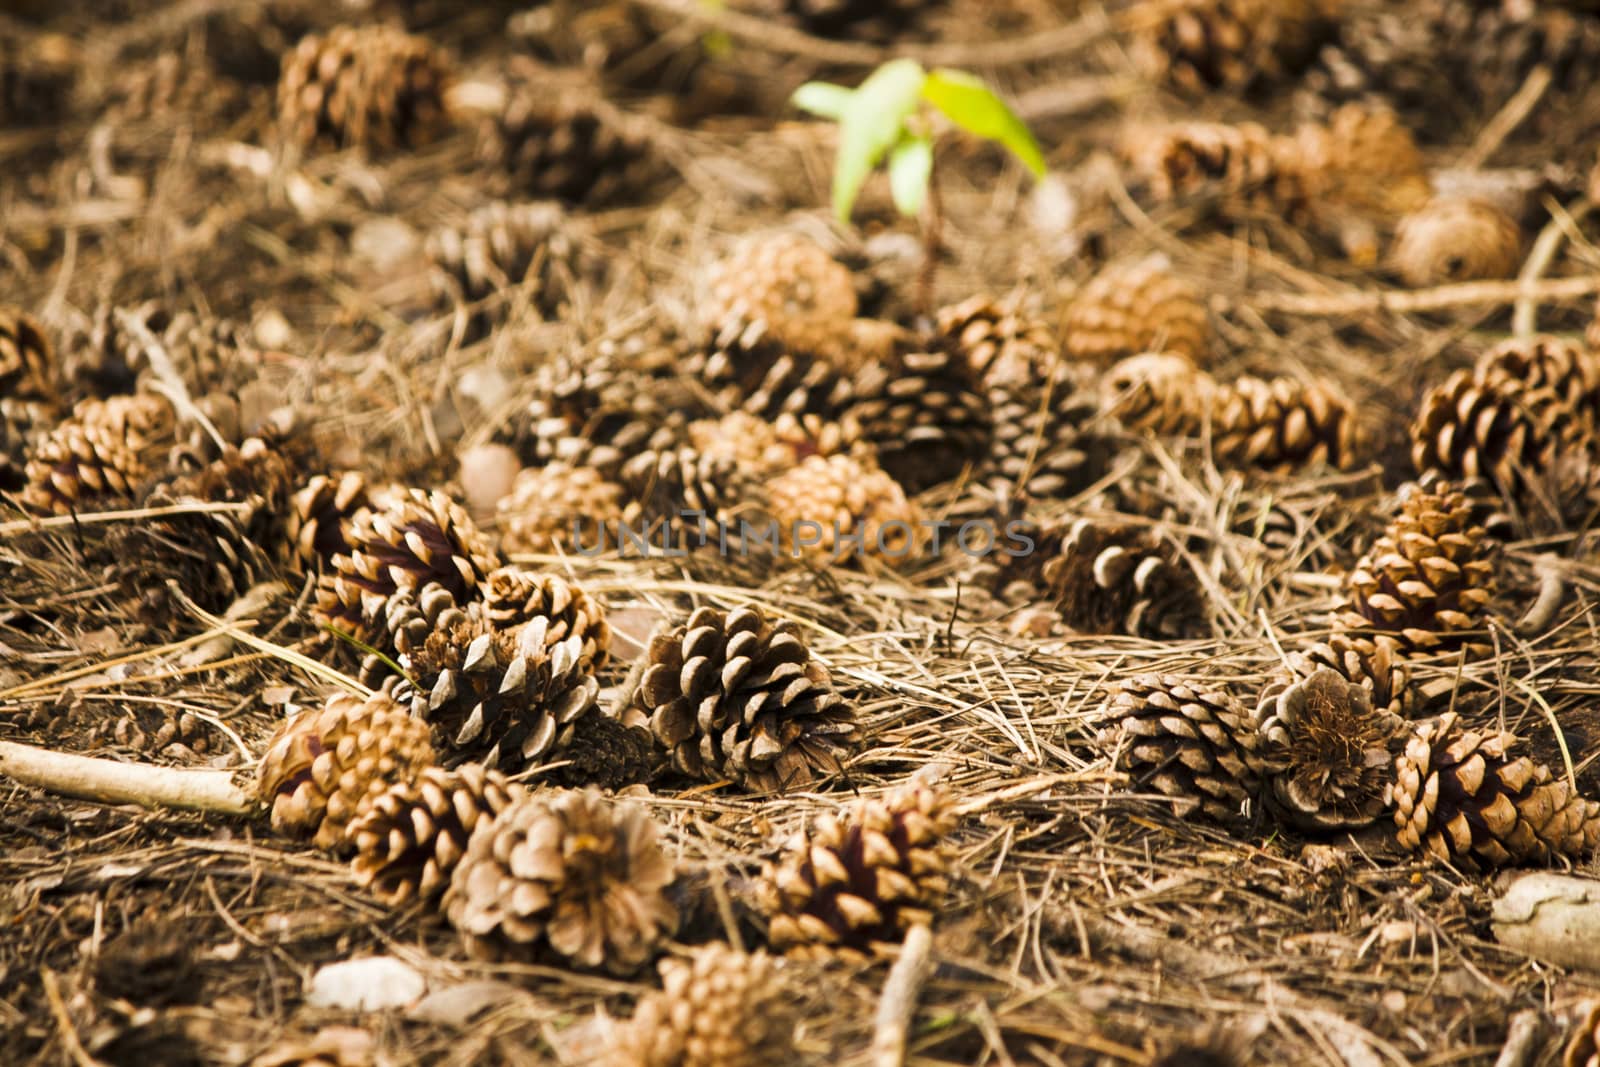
{"x": 888, "y": 116}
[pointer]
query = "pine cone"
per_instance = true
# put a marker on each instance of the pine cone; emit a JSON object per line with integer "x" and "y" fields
{"x": 1005, "y": 345}
{"x": 687, "y": 493}
{"x": 1243, "y": 163}
{"x": 862, "y": 878}
{"x": 557, "y": 139}
{"x": 781, "y": 286}
{"x": 826, "y": 496}
{"x": 763, "y": 449}
{"x": 1136, "y": 307}
{"x": 926, "y": 414}
{"x": 1160, "y": 394}
{"x": 558, "y": 509}
{"x": 1526, "y": 412}
{"x": 1429, "y": 577}
{"x": 421, "y": 538}
{"x": 719, "y": 1008}
{"x": 1281, "y": 424}
{"x": 732, "y": 695}
{"x": 1327, "y": 754}
{"x": 1377, "y": 665}
{"x": 98, "y": 452}
{"x": 27, "y": 359}
{"x": 1460, "y": 796}
{"x": 875, "y": 21}
{"x": 412, "y": 836}
{"x": 536, "y": 247}
{"x": 363, "y": 87}
{"x": 756, "y": 374}
{"x": 515, "y": 597}
{"x": 504, "y": 698}
{"x": 1040, "y": 449}
{"x": 324, "y": 768}
{"x": 320, "y": 517}
{"x": 1118, "y": 579}
{"x": 23, "y": 425}
{"x": 1456, "y": 239}
{"x": 566, "y": 871}
{"x": 1198, "y": 45}
{"x": 1194, "y": 745}
{"x": 597, "y": 412}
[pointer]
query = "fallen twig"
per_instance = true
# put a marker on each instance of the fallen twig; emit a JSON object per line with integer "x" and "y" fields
{"x": 1522, "y": 1040}
{"x": 899, "y": 1001}
{"x": 1438, "y": 298}
{"x": 109, "y": 782}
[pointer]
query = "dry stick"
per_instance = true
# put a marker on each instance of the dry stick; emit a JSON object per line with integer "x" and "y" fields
{"x": 1401, "y": 302}
{"x": 1552, "y": 590}
{"x": 1522, "y": 1037}
{"x": 1507, "y": 119}
{"x": 71, "y": 1044}
{"x": 1077, "y": 35}
{"x": 899, "y": 1002}
{"x": 56, "y": 522}
{"x": 109, "y": 782}
{"x": 1524, "y": 320}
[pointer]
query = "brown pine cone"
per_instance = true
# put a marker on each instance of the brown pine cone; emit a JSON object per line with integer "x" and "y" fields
{"x": 1524, "y": 418}
{"x": 818, "y": 504}
{"x": 1456, "y": 239}
{"x": 1199, "y": 45}
{"x": 1377, "y": 665}
{"x": 27, "y": 359}
{"x": 412, "y": 836}
{"x": 925, "y": 412}
{"x": 557, "y": 509}
{"x": 1429, "y": 578}
{"x": 324, "y": 768}
{"x": 535, "y": 247}
{"x": 506, "y": 698}
{"x": 687, "y": 494}
{"x": 860, "y": 879}
{"x": 1004, "y": 344}
{"x": 757, "y": 374}
{"x": 1194, "y": 745}
{"x": 363, "y": 87}
{"x": 1108, "y": 579}
{"x": 320, "y": 517}
{"x": 567, "y": 871}
{"x": 556, "y": 138}
{"x": 1160, "y": 394}
{"x": 1327, "y": 754}
{"x": 1042, "y": 449}
{"x": 1241, "y": 162}
{"x": 98, "y": 452}
{"x": 515, "y": 597}
{"x": 1281, "y": 424}
{"x": 874, "y": 21}
{"x": 764, "y": 449}
{"x": 733, "y": 695}
{"x": 420, "y": 538}
{"x": 1135, "y": 307}
{"x": 782, "y": 286}
{"x": 718, "y": 1008}
{"x": 23, "y": 425}
{"x": 1460, "y": 796}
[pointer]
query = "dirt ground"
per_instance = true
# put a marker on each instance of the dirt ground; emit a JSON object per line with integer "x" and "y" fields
{"x": 1088, "y": 923}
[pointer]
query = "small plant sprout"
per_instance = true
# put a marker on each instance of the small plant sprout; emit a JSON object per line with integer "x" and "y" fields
{"x": 888, "y": 117}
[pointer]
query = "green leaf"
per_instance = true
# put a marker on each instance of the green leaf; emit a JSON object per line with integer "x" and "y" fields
{"x": 976, "y": 108}
{"x": 910, "y": 170}
{"x": 823, "y": 99}
{"x": 872, "y": 124}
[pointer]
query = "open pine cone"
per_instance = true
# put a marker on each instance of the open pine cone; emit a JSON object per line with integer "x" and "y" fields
{"x": 27, "y": 359}
{"x": 1134, "y": 307}
{"x": 100, "y": 451}
{"x": 515, "y": 597}
{"x": 412, "y": 836}
{"x": 1194, "y": 745}
{"x": 1004, "y": 343}
{"x": 556, "y": 508}
{"x": 568, "y": 871}
{"x": 839, "y": 493}
{"x": 1200, "y": 45}
{"x": 925, "y": 412}
{"x": 1461, "y": 796}
{"x": 1327, "y": 754}
{"x": 731, "y": 694}
{"x": 318, "y": 523}
{"x": 420, "y": 538}
{"x": 718, "y": 1008}
{"x": 863, "y": 877}
{"x": 1119, "y": 579}
{"x": 1456, "y": 239}
{"x": 1280, "y": 424}
{"x": 1428, "y": 578}
{"x": 535, "y": 246}
{"x": 363, "y": 86}
{"x": 324, "y": 768}
{"x": 1240, "y": 162}
{"x": 1376, "y": 664}
{"x": 783, "y": 286}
